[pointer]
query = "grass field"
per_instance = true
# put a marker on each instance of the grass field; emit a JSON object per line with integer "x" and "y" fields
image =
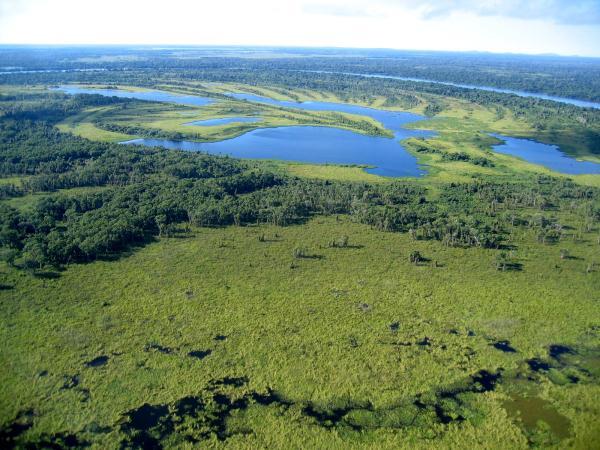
{"x": 346, "y": 328}
{"x": 331, "y": 172}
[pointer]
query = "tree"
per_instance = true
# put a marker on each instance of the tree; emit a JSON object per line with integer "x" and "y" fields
{"x": 502, "y": 261}
{"x": 300, "y": 252}
{"x": 415, "y": 257}
{"x": 161, "y": 223}
{"x": 33, "y": 255}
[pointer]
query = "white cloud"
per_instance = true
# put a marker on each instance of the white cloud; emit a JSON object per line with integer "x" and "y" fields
{"x": 559, "y": 11}
{"x": 427, "y": 24}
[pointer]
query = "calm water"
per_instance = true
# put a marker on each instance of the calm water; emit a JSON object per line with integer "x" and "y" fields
{"x": 155, "y": 96}
{"x": 569, "y": 101}
{"x": 549, "y": 156}
{"x": 319, "y": 144}
{"x": 308, "y": 144}
{"x": 224, "y": 121}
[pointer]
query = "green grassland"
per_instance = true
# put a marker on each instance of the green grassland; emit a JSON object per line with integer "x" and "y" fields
{"x": 314, "y": 330}
{"x": 297, "y": 95}
{"x": 83, "y": 125}
{"x": 330, "y": 172}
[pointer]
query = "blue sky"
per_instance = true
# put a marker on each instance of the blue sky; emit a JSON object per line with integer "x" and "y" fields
{"x": 535, "y": 26}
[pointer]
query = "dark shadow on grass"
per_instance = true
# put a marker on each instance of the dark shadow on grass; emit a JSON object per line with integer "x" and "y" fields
{"x": 513, "y": 266}
{"x": 47, "y": 274}
{"x": 349, "y": 246}
{"x": 313, "y": 257}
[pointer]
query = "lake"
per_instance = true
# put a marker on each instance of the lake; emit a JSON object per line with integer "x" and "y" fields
{"x": 549, "y": 156}
{"x": 311, "y": 144}
{"x": 308, "y": 144}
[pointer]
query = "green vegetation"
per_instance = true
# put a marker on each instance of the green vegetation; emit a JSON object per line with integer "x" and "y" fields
{"x": 164, "y": 299}
{"x": 324, "y": 336}
{"x": 160, "y": 120}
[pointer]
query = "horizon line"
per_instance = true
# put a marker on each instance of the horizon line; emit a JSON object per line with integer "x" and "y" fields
{"x": 274, "y": 46}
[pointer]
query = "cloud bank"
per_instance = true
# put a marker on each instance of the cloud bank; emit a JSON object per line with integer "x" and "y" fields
{"x": 572, "y": 12}
{"x": 536, "y": 26}
{"x": 559, "y": 11}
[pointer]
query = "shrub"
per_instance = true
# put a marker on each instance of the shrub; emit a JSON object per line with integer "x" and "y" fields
{"x": 415, "y": 257}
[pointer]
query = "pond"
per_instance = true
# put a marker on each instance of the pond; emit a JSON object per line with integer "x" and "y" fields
{"x": 549, "y": 156}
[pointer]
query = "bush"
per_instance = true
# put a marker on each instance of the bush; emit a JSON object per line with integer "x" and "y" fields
{"x": 415, "y": 257}
{"x": 301, "y": 252}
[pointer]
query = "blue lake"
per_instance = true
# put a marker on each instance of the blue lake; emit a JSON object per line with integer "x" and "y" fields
{"x": 224, "y": 121}
{"x": 549, "y": 156}
{"x": 308, "y": 144}
{"x": 298, "y": 143}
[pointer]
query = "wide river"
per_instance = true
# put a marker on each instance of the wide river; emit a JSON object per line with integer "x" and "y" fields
{"x": 315, "y": 144}
{"x": 567, "y": 100}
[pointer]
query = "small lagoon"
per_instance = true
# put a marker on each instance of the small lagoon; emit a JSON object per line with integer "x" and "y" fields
{"x": 549, "y": 156}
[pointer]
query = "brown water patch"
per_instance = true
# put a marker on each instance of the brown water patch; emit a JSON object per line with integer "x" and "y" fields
{"x": 530, "y": 411}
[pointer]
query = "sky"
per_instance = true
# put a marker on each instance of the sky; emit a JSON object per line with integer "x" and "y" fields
{"x": 567, "y": 27}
